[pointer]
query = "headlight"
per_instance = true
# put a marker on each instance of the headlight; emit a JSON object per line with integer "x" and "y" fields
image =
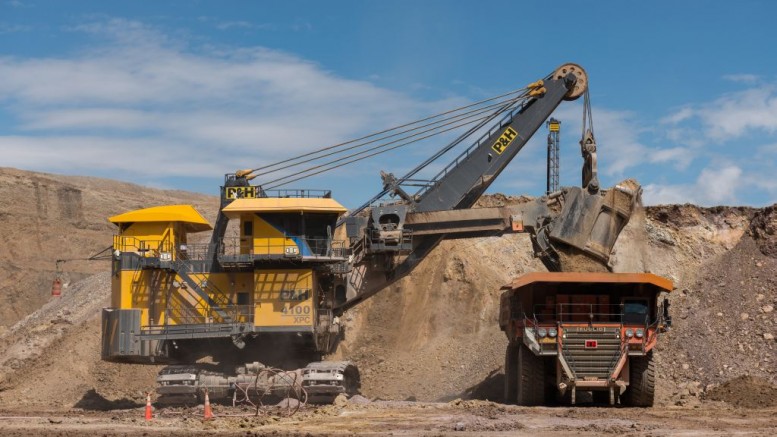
{"x": 542, "y": 332}
{"x": 629, "y": 333}
{"x": 640, "y": 333}
{"x": 552, "y": 332}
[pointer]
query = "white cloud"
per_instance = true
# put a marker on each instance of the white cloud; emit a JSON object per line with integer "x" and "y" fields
{"x": 245, "y": 25}
{"x": 680, "y": 115}
{"x": 619, "y": 145}
{"x": 742, "y": 78}
{"x": 713, "y": 186}
{"x": 680, "y": 157}
{"x": 659, "y": 194}
{"x": 296, "y": 26}
{"x": 142, "y": 103}
{"x": 733, "y": 115}
{"x": 719, "y": 185}
{"x": 724, "y": 130}
{"x": 87, "y": 118}
{"x": 768, "y": 148}
{"x": 6, "y": 28}
{"x": 85, "y": 155}
{"x": 766, "y": 184}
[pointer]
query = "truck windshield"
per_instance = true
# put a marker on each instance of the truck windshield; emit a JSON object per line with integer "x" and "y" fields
{"x": 635, "y": 311}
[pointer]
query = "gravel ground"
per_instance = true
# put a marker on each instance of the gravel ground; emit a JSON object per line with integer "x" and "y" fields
{"x": 407, "y": 418}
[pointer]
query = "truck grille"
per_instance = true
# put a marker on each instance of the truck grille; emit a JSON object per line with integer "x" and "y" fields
{"x": 591, "y": 352}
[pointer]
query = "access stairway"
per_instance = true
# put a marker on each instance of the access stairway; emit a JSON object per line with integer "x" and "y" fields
{"x": 212, "y": 313}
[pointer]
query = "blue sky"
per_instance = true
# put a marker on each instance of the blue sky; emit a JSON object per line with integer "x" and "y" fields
{"x": 176, "y": 94}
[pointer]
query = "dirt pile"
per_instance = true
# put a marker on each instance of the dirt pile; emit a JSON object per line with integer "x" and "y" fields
{"x": 724, "y": 319}
{"x": 728, "y": 313}
{"x": 37, "y": 332}
{"x": 745, "y": 392}
{"x": 51, "y": 358}
{"x": 45, "y": 217}
{"x": 435, "y": 335}
{"x": 763, "y": 228}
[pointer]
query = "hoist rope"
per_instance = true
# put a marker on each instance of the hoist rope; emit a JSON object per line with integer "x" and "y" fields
{"x": 521, "y": 92}
{"x": 588, "y": 119}
{"x": 340, "y": 162}
{"x": 384, "y": 147}
{"x": 432, "y": 126}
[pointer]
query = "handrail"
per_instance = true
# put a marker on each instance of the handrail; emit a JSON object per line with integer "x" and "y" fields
{"x": 219, "y": 297}
{"x": 563, "y": 312}
{"x": 592, "y": 314}
{"x": 297, "y": 193}
{"x": 569, "y": 357}
{"x": 648, "y": 325}
{"x": 623, "y": 349}
{"x": 287, "y": 245}
{"x": 238, "y": 314}
{"x": 195, "y": 252}
{"x": 455, "y": 163}
{"x": 181, "y": 262}
{"x": 142, "y": 246}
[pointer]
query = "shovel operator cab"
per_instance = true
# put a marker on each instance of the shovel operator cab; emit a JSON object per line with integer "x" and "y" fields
{"x": 571, "y": 332}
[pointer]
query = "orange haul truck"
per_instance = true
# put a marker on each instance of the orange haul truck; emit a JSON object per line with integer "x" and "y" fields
{"x": 589, "y": 332}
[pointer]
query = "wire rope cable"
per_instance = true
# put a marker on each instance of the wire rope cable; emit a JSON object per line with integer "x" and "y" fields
{"x": 333, "y": 164}
{"x": 521, "y": 91}
{"x": 431, "y": 127}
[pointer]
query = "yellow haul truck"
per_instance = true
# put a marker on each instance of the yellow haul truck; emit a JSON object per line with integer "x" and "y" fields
{"x": 591, "y": 332}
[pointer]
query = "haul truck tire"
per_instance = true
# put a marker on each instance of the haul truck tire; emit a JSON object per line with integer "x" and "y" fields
{"x": 642, "y": 381}
{"x": 552, "y": 395}
{"x": 531, "y": 378}
{"x": 511, "y": 374}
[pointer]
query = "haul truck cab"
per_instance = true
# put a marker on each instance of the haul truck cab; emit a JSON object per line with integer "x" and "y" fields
{"x": 571, "y": 332}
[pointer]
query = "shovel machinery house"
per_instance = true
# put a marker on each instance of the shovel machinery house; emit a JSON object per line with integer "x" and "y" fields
{"x": 252, "y": 312}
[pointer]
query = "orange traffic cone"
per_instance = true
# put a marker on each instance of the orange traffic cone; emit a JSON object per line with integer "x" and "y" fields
{"x": 149, "y": 413}
{"x": 208, "y": 411}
